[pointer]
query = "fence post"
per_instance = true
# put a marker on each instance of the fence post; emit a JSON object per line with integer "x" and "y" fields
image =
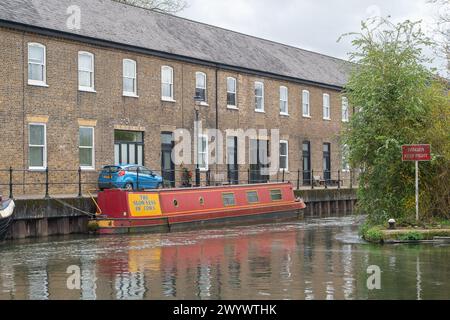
{"x": 339, "y": 179}
{"x": 208, "y": 177}
{"x": 137, "y": 179}
{"x": 248, "y": 176}
{"x": 284, "y": 170}
{"x": 79, "y": 183}
{"x": 46, "y": 183}
{"x": 10, "y": 182}
{"x": 312, "y": 179}
{"x": 298, "y": 179}
{"x": 197, "y": 177}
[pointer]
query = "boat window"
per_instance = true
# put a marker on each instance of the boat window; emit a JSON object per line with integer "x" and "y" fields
{"x": 228, "y": 199}
{"x": 252, "y": 197}
{"x": 275, "y": 195}
{"x": 202, "y": 201}
{"x": 175, "y": 202}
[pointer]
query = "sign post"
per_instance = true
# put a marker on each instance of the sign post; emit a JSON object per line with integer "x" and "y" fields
{"x": 416, "y": 153}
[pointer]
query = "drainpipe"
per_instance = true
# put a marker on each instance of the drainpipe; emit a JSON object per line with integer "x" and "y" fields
{"x": 217, "y": 115}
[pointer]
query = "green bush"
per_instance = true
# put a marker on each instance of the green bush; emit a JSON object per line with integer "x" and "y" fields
{"x": 411, "y": 236}
{"x": 399, "y": 102}
{"x": 373, "y": 234}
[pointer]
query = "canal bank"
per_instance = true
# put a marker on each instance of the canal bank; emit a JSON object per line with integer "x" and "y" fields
{"x": 34, "y": 218}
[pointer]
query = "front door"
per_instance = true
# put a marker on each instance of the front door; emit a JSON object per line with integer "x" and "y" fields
{"x": 259, "y": 160}
{"x": 306, "y": 163}
{"x": 232, "y": 160}
{"x": 327, "y": 162}
{"x": 167, "y": 165}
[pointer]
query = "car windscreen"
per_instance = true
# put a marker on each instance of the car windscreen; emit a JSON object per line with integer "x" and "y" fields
{"x": 111, "y": 169}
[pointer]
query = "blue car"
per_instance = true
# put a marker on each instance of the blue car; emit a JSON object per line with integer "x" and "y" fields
{"x": 128, "y": 177}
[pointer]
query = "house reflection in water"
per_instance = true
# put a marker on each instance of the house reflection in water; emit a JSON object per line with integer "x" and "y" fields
{"x": 319, "y": 259}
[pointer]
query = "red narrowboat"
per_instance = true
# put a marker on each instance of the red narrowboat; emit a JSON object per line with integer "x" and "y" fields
{"x": 124, "y": 211}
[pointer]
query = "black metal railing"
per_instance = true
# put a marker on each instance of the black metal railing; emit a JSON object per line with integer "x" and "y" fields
{"x": 61, "y": 181}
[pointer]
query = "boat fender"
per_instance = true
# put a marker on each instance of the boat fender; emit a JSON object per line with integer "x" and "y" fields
{"x": 298, "y": 199}
{"x": 8, "y": 211}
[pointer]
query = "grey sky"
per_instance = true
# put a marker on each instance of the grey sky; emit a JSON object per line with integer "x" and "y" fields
{"x": 309, "y": 24}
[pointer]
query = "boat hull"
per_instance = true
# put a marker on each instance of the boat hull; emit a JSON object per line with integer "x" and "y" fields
{"x": 156, "y": 212}
{"x": 121, "y": 226}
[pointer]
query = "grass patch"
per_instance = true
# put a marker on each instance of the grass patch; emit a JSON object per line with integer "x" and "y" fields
{"x": 411, "y": 236}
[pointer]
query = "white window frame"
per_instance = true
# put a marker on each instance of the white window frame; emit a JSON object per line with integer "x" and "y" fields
{"x": 171, "y": 97}
{"x": 287, "y": 155}
{"x": 306, "y": 104}
{"x": 91, "y": 71}
{"x": 200, "y": 151}
{"x": 38, "y": 83}
{"x": 126, "y": 93}
{"x": 262, "y": 97}
{"x": 199, "y": 73}
{"x": 44, "y": 158}
{"x": 345, "y": 110}
{"x": 286, "y": 112}
{"x": 92, "y": 166}
{"x": 344, "y": 154}
{"x": 235, "y": 105}
{"x": 326, "y": 107}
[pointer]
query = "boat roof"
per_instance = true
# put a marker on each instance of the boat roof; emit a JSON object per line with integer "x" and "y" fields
{"x": 234, "y": 186}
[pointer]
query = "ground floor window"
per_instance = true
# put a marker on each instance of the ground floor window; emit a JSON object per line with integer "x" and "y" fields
{"x": 86, "y": 142}
{"x": 203, "y": 152}
{"x": 284, "y": 155}
{"x": 37, "y": 151}
{"x": 345, "y": 162}
{"x": 128, "y": 147}
{"x": 327, "y": 161}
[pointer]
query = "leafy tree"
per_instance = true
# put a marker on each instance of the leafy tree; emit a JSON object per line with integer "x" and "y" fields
{"x": 399, "y": 102}
{"x": 167, "y": 6}
{"x": 442, "y": 30}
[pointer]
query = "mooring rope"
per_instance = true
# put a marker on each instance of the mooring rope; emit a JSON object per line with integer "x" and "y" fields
{"x": 74, "y": 208}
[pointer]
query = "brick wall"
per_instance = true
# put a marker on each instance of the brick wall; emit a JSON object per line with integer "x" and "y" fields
{"x": 63, "y": 107}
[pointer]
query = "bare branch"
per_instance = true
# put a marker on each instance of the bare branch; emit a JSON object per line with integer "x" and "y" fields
{"x": 166, "y": 6}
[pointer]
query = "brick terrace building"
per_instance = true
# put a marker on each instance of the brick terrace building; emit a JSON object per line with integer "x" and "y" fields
{"x": 116, "y": 88}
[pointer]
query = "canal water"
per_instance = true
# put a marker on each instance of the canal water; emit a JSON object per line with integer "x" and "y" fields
{"x": 318, "y": 258}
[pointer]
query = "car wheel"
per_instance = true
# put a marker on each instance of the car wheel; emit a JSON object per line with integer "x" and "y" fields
{"x": 129, "y": 186}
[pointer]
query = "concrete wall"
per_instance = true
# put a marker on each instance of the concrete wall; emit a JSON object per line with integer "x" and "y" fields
{"x": 47, "y": 217}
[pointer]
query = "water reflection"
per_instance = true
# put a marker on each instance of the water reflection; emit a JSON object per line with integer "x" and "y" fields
{"x": 313, "y": 259}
